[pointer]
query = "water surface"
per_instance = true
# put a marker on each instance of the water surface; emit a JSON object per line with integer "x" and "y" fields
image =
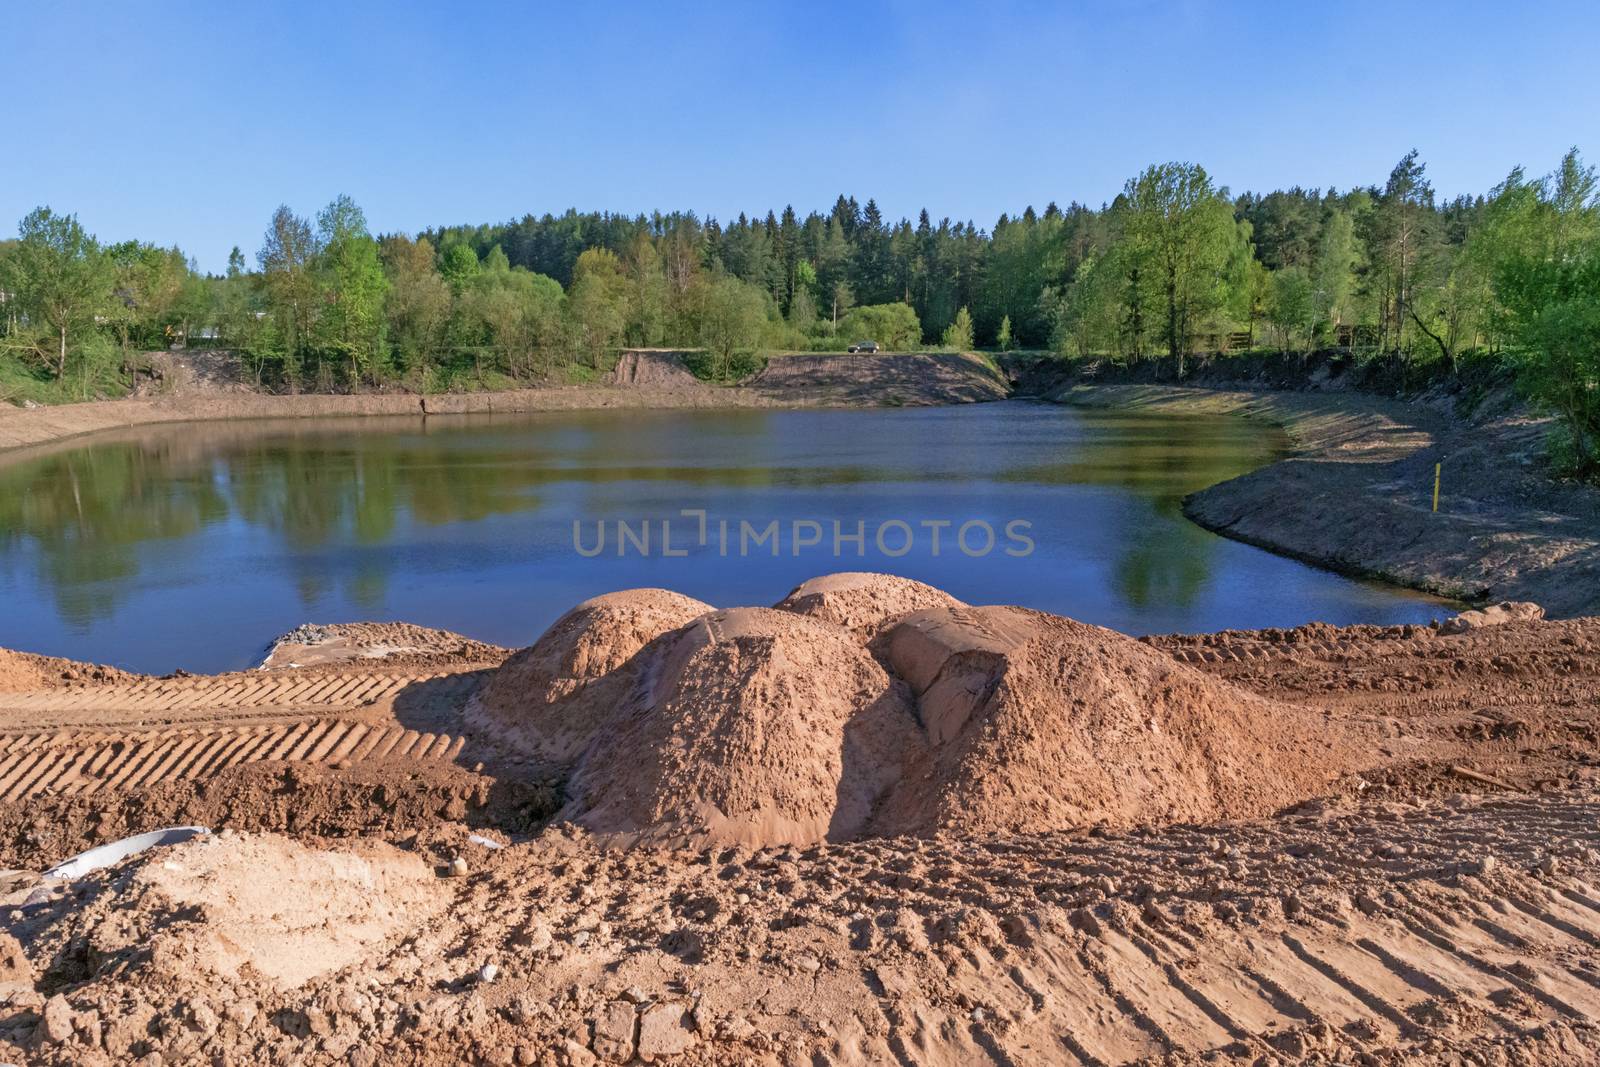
{"x": 193, "y": 545}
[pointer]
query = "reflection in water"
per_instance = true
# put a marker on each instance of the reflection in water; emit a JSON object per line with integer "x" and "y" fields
{"x": 1159, "y": 459}
{"x": 111, "y": 551}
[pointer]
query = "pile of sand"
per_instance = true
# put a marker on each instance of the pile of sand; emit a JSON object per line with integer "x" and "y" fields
{"x": 550, "y": 699}
{"x": 230, "y": 904}
{"x": 1037, "y": 722}
{"x": 756, "y": 727}
{"x": 867, "y": 704}
{"x": 862, "y": 601}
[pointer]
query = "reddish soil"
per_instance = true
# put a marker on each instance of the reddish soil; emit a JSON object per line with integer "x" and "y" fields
{"x": 960, "y": 835}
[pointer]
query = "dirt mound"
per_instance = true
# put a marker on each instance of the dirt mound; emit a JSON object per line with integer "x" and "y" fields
{"x": 1037, "y": 722}
{"x": 861, "y": 710}
{"x": 863, "y": 601}
{"x": 22, "y": 671}
{"x": 229, "y": 904}
{"x": 653, "y": 368}
{"x": 755, "y": 727}
{"x": 315, "y": 644}
{"x": 540, "y": 699}
{"x": 901, "y": 379}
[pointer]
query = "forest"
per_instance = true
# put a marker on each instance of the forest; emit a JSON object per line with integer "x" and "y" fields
{"x": 1174, "y": 267}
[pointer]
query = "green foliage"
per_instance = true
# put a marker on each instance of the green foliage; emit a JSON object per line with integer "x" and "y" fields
{"x": 1291, "y": 308}
{"x": 1541, "y": 241}
{"x": 958, "y": 335}
{"x": 709, "y": 367}
{"x": 350, "y": 322}
{"x": 894, "y": 326}
{"x": 1334, "y": 272}
{"x": 1182, "y": 230}
{"x": 458, "y": 264}
{"x": 733, "y": 321}
{"x": 1173, "y": 264}
{"x": 60, "y": 279}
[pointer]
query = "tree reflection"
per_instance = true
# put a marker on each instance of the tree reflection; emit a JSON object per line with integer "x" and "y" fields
{"x": 338, "y": 497}
{"x": 1160, "y": 459}
{"x": 87, "y": 512}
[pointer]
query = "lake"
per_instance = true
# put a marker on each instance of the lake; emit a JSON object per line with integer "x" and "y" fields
{"x": 193, "y": 545}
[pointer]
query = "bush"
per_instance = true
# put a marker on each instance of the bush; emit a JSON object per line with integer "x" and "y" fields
{"x": 707, "y": 365}
{"x": 895, "y": 327}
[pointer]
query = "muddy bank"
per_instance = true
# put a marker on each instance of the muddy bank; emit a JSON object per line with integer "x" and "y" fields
{"x": 1357, "y": 494}
{"x": 645, "y": 379}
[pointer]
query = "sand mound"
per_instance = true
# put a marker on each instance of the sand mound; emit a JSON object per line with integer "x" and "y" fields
{"x": 1038, "y": 722}
{"x": 227, "y": 903}
{"x": 863, "y": 601}
{"x": 859, "y": 709}
{"x": 550, "y": 699}
{"x": 755, "y": 726}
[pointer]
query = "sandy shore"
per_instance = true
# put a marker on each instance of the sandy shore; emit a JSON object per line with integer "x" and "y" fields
{"x": 1357, "y": 495}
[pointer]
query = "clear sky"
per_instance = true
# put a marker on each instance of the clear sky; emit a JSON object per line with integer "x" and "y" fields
{"x": 188, "y": 123}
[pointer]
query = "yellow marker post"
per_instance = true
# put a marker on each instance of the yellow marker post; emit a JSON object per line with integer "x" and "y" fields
{"x": 1436, "y": 468}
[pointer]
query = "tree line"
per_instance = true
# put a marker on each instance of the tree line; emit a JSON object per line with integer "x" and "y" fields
{"x": 1173, "y": 266}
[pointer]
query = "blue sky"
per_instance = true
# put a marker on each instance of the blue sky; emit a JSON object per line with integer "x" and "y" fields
{"x": 189, "y": 123}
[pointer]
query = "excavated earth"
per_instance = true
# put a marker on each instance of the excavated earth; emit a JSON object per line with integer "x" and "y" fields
{"x": 869, "y": 825}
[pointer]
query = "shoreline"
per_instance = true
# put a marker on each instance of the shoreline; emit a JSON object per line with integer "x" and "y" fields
{"x": 1355, "y": 494}
{"x": 651, "y": 380}
{"x": 1353, "y": 497}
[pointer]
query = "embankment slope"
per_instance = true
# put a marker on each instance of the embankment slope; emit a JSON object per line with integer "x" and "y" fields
{"x": 1357, "y": 494}
{"x": 643, "y": 379}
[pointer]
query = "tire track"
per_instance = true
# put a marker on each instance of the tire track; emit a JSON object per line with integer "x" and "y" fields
{"x": 65, "y": 764}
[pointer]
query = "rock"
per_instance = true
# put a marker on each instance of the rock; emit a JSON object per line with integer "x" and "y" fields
{"x": 1549, "y": 865}
{"x": 457, "y": 868}
{"x": 57, "y": 1025}
{"x": 536, "y": 936}
{"x": 488, "y": 973}
{"x": 613, "y": 1031}
{"x": 634, "y": 995}
{"x": 1503, "y": 612}
{"x": 575, "y": 1055}
{"x": 664, "y": 1031}
{"x": 1486, "y": 865}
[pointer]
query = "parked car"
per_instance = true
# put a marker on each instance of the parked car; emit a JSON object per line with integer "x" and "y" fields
{"x": 863, "y": 346}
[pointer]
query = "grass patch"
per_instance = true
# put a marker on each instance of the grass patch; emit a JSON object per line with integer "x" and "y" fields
{"x": 24, "y": 383}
